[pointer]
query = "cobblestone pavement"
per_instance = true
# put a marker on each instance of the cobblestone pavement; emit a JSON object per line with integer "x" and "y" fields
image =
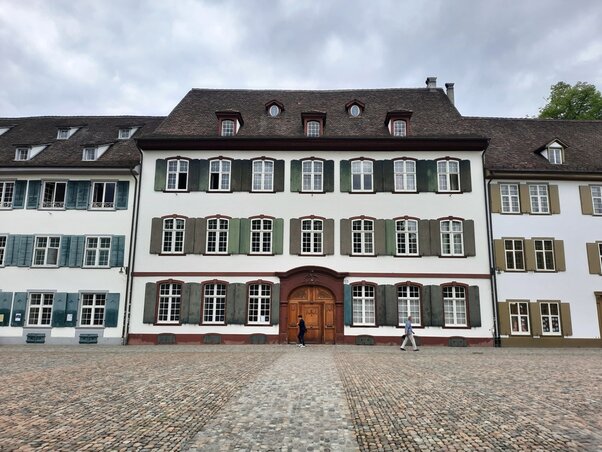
{"x": 282, "y": 398}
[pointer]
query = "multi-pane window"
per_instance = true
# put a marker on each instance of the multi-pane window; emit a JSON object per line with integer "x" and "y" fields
{"x": 362, "y": 175}
{"x": 405, "y": 175}
{"x": 312, "y": 175}
{"x": 40, "y": 309}
{"x": 510, "y": 198}
{"x": 219, "y": 175}
{"x": 7, "y": 190}
{"x": 261, "y": 236}
{"x": 519, "y": 317}
{"x": 263, "y": 175}
{"x": 93, "y": 309}
{"x": 550, "y": 318}
{"x": 217, "y": 236}
{"x": 448, "y": 175}
{"x": 454, "y": 306}
{"x": 544, "y": 254}
{"x": 46, "y": 251}
{"x": 173, "y": 235}
{"x": 599, "y": 253}
{"x": 515, "y": 254}
{"x": 312, "y": 236}
{"x": 62, "y": 134}
{"x": 170, "y": 295}
{"x": 259, "y": 304}
{"x": 538, "y": 194}
{"x": 54, "y": 195}
{"x": 89, "y": 154}
{"x": 103, "y": 195}
{"x": 452, "y": 243}
{"x": 228, "y": 128}
{"x": 313, "y": 128}
{"x": 363, "y": 305}
{"x": 177, "y": 175}
{"x": 555, "y": 155}
{"x": 406, "y": 237}
{"x": 214, "y": 310}
{"x": 2, "y": 249}
{"x": 362, "y": 237}
{"x": 22, "y": 154}
{"x": 399, "y": 128}
{"x": 97, "y": 251}
{"x": 597, "y": 199}
{"x": 125, "y": 133}
{"x": 408, "y": 303}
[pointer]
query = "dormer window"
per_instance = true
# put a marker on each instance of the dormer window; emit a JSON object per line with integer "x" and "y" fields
{"x": 355, "y": 108}
{"x": 64, "y": 133}
{"x": 398, "y": 122}
{"x": 355, "y": 111}
{"x": 228, "y": 128}
{"x": 399, "y": 128}
{"x": 313, "y": 128}
{"x": 274, "y": 111}
{"x": 313, "y": 124}
{"x": 89, "y": 154}
{"x": 230, "y": 123}
{"x": 22, "y": 154}
{"x": 554, "y": 152}
{"x": 4, "y": 129}
{"x": 125, "y": 133}
{"x": 274, "y": 108}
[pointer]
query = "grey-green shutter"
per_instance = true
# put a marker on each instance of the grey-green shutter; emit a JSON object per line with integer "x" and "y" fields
{"x": 345, "y": 237}
{"x": 465, "y": 176}
{"x": 33, "y": 194}
{"x": 19, "y": 196}
{"x": 347, "y": 305}
{"x": 23, "y": 251}
{"x": 245, "y": 236}
{"x": 194, "y": 174}
{"x": 203, "y": 175}
{"x": 278, "y": 236}
{"x": 6, "y": 299}
{"x": 295, "y": 236}
{"x": 156, "y": 235}
{"x": 71, "y": 195}
{"x": 117, "y": 250}
{"x": 279, "y": 175}
{"x": 77, "y": 244}
{"x": 425, "y": 304}
{"x": 123, "y": 191}
{"x": 378, "y": 176}
{"x": 72, "y": 310}
{"x": 112, "y": 310}
{"x": 194, "y": 305}
{"x": 200, "y": 235}
{"x": 469, "y": 239}
{"x": 9, "y": 252}
{"x": 184, "y": 303}
{"x": 236, "y": 175}
{"x": 435, "y": 237}
{"x": 345, "y": 167}
{"x": 237, "y": 304}
{"x": 436, "y": 302}
{"x": 388, "y": 176}
{"x": 189, "y": 228}
{"x": 426, "y": 175}
{"x": 295, "y": 176}
{"x": 329, "y": 176}
{"x": 391, "y": 316}
{"x": 424, "y": 238}
{"x": 381, "y": 310}
{"x": 474, "y": 306}
{"x": 160, "y": 174}
{"x": 234, "y": 236}
{"x": 150, "y": 302}
{"x": 380, "y": 238}
{"x": 275, "y": 309}
{"x": 83, "y": 192}
{"x": 19, "y": 307}
{"x": 390, "y": 240}
{"x": 64, "y": 251}
{"x": 59, "y": 306}
{"x": 230, "y": 302}
{"x": 329, "y": 237}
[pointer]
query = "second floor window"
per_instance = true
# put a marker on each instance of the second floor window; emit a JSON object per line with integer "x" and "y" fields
{"x": 312, "y": 175}
{"x": 177, "y": 175}
{"x": 89, "y": 154}
{"x": 454, "y": 306}
{"x": 214, "y": 309}
{"x": 93, "y": 309}
{"x": 40, "y": 309}
{"x": 2, "y": 249}
{"x": 452, "y": 243}
{"x": 97, "y": 251}
{"x": 510, "y": 198}
{"x": 399, "y": 128}
{"x": 260, "y": 296}
{"x": 406, "y": 235}
{"x": 544, "y": 254}
{"x": 550, "y": 318}
{"x": 22, "y": 154}
{"x": 263, "y": 175}
{"x": 362, "y": 237}
{"x": 173, "y": 235}
{"x": 408, "y": 303}
{"x": 405, "y": 175}
{"x": 448, "y": 175}
{"x": 219, "y": 175}
{"x": 538, "y": 194}
{"x": 362, "y": 175}
{"x": 217, "y": 236}
{"x": 170, "y": 295}
{"x": 597, "y": 199}
{"x": 261, "y": 236}
{"x": 54, "y": 195}
{"x": 313, "y": 128}
{"x": 363, "y": 303}
{"x": 519, "y": 317}
{"x": 312, "y": 236}
{"x": 7, "y": 190}
{"x": 46, "y": 251}
{"x": 103, "y": 195}
{"x": 515, "y": 254}
{"x": 228, "y": 128}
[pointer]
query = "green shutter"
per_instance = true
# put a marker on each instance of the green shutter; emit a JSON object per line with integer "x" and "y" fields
{"x": 19, "y": 307}
{"x": 296, "y": 176}
{"x": 391, "y": 315}
{"x": 380, "y": 302}
{"x": 6, "y": 299}
{"x": 83, "y": 191}
{"x": 426, "y": 175}
{"x": 388, "y": 176}
{"x": 390, "y": 240}
{"x": 279, "y": 175}
{"x": 234, "y": 236}
{"x": 347, "y": 302}
{"x": 278, "y": 236}
{"x": 435, "y": 237}
{"x": 275, "y": 314}
{"x": 189, "y": 228}
{"x": 239, "y": 304}
{"x": 71, "y": 310}
{"x": 424, "y": 237}
{"x": 123, "y": 191}
{"x": 380, "y": 237}
{"x": 71, "y": 196}
{"x": 345, "y": 237}
{"x": 329, "y": 176}
{"x": 33, "y": 194}
{"x": 345, "y": 168}
{"x": 378, "y": 176}
{"x": 156, "y": 236}
{"x": 59, "y": 306}
{"x": 77, "y": 244}
{"x": 9, "y": 252}
{"x": 465, "y": 176}
{"x": 474, "y": 306}
{"x": 194, "y": 306}
{"x": 23, "y": 250}
{"x": 150, "y": 302}
{"x": 200, "y": 235}
{"x": 436, "y": 303}
{"x": 203, "y": 175}
{"x": 160, "y": 174}
{"x": 184, "y": 303}
{"x": 295, "y": 236}
{"x": 236, "y": 175}
{"x": 245, "y": 236}
{"x": 64, "y": 251}
{"x": 329, "y": 237}
{"x": 194, "y": 173}
{"x": 19, "y": 195}
{"x": 425, "y": 304}
{"x": 231, "y": 290}
{"x": 469, "y": 239}
{"x": 112, "y": 310}
{"x": 117, "y": 251}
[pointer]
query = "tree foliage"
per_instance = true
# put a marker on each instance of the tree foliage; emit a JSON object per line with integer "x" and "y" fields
{"x": 581, "y": 101}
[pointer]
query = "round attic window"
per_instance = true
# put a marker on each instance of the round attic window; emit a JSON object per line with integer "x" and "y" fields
{"x": 274, "y": 110}
{"x": 354, "y": 111}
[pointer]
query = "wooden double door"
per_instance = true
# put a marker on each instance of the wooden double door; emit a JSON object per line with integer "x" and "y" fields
{"x": 317, "y": 306}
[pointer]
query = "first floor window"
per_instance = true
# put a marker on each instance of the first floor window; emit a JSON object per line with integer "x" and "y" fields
{"x": 217, "y": 236}
{"x": 263, "y": 175}
{"x": 312, "y": 175}
{"x": 362, "y": 175}
{"x": 219, "y": 175}
{"x": 363, "y": 305}
{"x": 452, "y": 243}
{"x": 169, "y": 303}
{"x": 454, "y": 306}
{"x": 54, "y": 195}
{"x": 406, "y": 237}
{"x": 408, "y": 303}
{"x": 510, "y": 198}
{"x": 46, "y": 251}
{"x": 538, "y": 195}
{"x": 103, "y": 195}
{"x": 259, "y": 303}
{"x": 7, "y": 190}
{"x": 173, "y": 235}
{"x": 362, "y": 237}
{"x": 544, "y": 255}
{"x": 2, "y": 249}
{"x": 519, "y": 317}
{"x": 93, "y": 309}
{"x": 597, "y": 199}
{"x": 448, "y": 175}
{"x": 97, "y": 251}
{"x": 214, "y": 310}
{"x": 261, "y": 236}
{"x": 40, "y": 309}
{"x": 515, "y": 256}
{"x": 550, "y": 318}
{"x": 405, "y": 175}
{"x": 177, "y": 175}
{"x": 599, "y": 252}
{"x": 312, "y": 236}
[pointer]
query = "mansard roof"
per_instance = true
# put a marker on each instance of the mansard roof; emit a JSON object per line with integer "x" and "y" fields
{"x": 92, "y": 131}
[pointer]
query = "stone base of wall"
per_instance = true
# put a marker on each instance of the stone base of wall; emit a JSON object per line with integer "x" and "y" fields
{"x": 551, "y": 342}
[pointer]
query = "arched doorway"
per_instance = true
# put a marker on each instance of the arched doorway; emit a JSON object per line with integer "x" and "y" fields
{"x": 317, "y": 306}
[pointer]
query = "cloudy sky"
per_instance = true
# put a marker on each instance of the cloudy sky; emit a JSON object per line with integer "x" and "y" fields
{"x": 113, "y": 57}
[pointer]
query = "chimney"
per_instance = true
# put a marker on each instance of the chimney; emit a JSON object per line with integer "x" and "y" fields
{"x": 431, "y": 82}
{"x": 450, "y": 92}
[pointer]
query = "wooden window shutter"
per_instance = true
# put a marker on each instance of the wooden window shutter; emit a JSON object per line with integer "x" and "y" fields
{"x": 278, "y": 236}
{"x": 19, "y": 197}
{"x": 388, "y": 179}
{"x": 236, "y": 175}
{"x": 529, "y": 255}
{"x": 123, "y": 190}
{"x": 9, "y": 252}
{"x": 436, "y": 302}
{"x": 112, "y": 310}
{"x": 474, "y": 306}
{"x": 565, "y": 319}
{"x": 535, "y": 312}
{"x": 425, "y": 305}
{"x": 245, "y": 236}
{"x": 585, "y": 193}
{"x": 426, "y": 176}
{"x": 275, "y": 308}
{"x": 77, "y": 243}
{"x": 390, "y": 239}
{"x": 295, "y": 236}
{"x": 465, "y": 176}
{"x": 503, "y": 315}
{"x": 424, "y": 238}
{"x": 64, "y": 251}
{"x": 495, "y": 199}
{"x": 23, "y": 252}
{"x": 328, "y": 237}
{"x": 345, "y": 168}
{"x": 203, "y": 175}
{"x": 554, "y": 199}
{"x": 117, "y": 250}
{"x": 83, "y": 191}
{"x": 33, "y": 194}
{"x": 329, "y": 176}
{"x": 391, "y": 315}
{"x": 499, "y": 254}
{"x": 19, "y": 307}
{"x": 59, "y": 306}
{"x": 6, "y": 300}
{"x": 71, "y": 195}
{"x": 200, "y": 235}
{"x": 150, "y": 302}
{"x": 189, "y": 228}
{"x": 156, "y": 236}
{"x": 295, "y": 176}
{"x": 593, "y": 259}
{"x": 380, "y": 238}
{"x": 190, "y": 306}
{"x": 160, "y": 174}
{"x": 435, "y": 237}
{"x": 233, "y": 236}
{"x": 72, "y": 309}
{"x": 380, "y": 314}
{"x": 279, "y": 175}
{"x": 231, "y": 290}
{"x": 246, "y": 175}
{"x": 469, "y": 239}
{"x": 378, "y": 176}
{"x": 345, "y": 237}
{"x": 240, "y": 305}
{"x": 194, "y": 173}
{"x": 559, "y": 255}
{"x": 525, "y": 200}
{"x": 347, "y": 308}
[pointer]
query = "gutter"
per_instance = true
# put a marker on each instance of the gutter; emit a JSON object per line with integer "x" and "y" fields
{"x": 493, "y": 278}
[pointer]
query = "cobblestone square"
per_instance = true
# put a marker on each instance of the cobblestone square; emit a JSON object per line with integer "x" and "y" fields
{"x": 283, "y": 398}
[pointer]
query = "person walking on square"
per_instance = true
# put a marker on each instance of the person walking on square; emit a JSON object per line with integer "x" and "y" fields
{"x": 302, "y": 330}
{"x": 409, "y": 336}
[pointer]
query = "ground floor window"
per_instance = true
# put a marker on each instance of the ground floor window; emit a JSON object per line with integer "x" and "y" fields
{"x": 93, "y": 309}
{"x": 169, "y": 303}
{"x": 454, "y": 306}
{"x": 408, "y": 303}
{"x": 259, "y": 304}
{"x": 363, "y": 305}
{"x": 214, "y": 310}
{"x": 550, "y": 318}
{"x": 40, "y": 309}
{"x": 519, "y": 317}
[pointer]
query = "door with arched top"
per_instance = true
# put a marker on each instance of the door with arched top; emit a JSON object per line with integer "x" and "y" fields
{"x": 317, "y": 306}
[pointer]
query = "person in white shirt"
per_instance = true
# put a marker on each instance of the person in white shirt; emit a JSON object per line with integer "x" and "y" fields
{"x": 409, "y": 335}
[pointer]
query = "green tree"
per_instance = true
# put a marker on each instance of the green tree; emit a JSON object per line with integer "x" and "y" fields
{"x": 581, "y": 101}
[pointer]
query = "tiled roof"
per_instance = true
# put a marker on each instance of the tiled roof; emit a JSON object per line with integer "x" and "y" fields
{"x": 93, "y": 131}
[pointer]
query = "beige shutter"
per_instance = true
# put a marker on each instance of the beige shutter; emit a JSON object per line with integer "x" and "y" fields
{"x": 554, "y": 199}
{"x": 529, "y": 255}
{"x": 499, "y": 254}
{"x": 585, "y": 193}
{"x": 535, "y": 318}
{"x": 495, "y": 198}
{"x": 559, "y": 255}
{"x": 593, "y": 259}
{"x": 565, "y": 319}
{"x": 503, "y": 317}
{"x": 525, "y": 201}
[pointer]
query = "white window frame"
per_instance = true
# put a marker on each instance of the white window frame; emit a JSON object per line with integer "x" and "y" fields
{"x": 90, "y": 154}
{"x": 7, "y": 194}
{"x": 355, "y": 110}
{"x": 452, "y": 237}
{"x": 262, "y": 236}
{"x": 363, "y": 305}
{"x": 550, "y": 321}
{"x": 399, "y": 128}
{"x": 520, "y": 323}
{"x": 48, "y": 248}
{"x": 263, "y": 175}
{"x": 228, "y": 127}
{"x": 220, "y": 171}
{"x": 596, "y": 193}
{"x": 22, "y": 154}
{"x": 406, "y": 237}
{"x": 214, "y": 303}
{"x": 599, "y": 247}
{"x": 362, "y": 176}
{"x": 103, "y": 203}
{"x": 3, "y": 242}
{"x": 53, "y": 203}
{"x": 404, "y": 173}
{"x": 124, "y": 133}
{"x": 312, "y": 236}
{"x": 539, "y": 198}
{"x": 409, "y": 303}
{"x": 510, "y": 198}
{"x": 217, "y": 235}
{"x": 274, "y": 110}
{"x": 455, "y": 306}
{"x": 259, "y": 304}
{"x": 362, "y": 237}
{"x": 312, "y": 176}
{"x": 180, "y": 169}
{"x": 42, "y": 303}
{"x": 514, "y": 256}
{"x": 92, "y": 312}
{"x": 97, "y": 253}
{"x": 314, "y": 128}
{"x": 173, "y": 235}
{"x": 542, "y": 253}
{"x": 555, "y": 155}
{"x": 169, "y": 304}
{"x": 448, "y": 176}
{"x": 63, "y": 133}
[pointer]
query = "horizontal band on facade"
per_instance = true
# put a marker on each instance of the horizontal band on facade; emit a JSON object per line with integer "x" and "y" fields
{"x": 352, "y": 274}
